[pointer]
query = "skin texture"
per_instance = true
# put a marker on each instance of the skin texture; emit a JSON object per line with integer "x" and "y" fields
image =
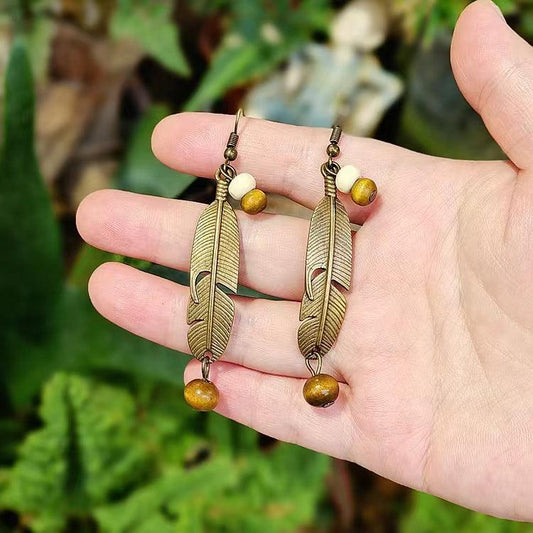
{"x": 435, "y": 357}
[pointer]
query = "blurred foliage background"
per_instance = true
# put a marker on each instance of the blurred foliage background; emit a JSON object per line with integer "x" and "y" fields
{"x": 95, "y": 435}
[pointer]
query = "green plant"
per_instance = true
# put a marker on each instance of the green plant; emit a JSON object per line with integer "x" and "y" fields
{"x": 51, "y": 323}
{"x": 430, "y": 514}
{"x": 136, "y": 21}
{"x": 117, "y": 450}
{"x": 28, "y": 293}
{"x": 140, "y": 171}
{"x": 140, "y": 21}
{"x": 133, "y": 462}
{"x": 422, "y": 18}
{"x": 260, "y": 35}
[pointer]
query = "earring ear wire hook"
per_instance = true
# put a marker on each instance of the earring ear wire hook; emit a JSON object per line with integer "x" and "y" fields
{"x": 238, "y": 116}
{"x": 230, "y": 153}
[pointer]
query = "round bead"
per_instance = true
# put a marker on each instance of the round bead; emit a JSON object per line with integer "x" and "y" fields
{"x": 254, "y": 202}
{"x": 240, "y": 185}
{"x": 321, "y": 390}
{"x": 201, "y": 395}
{"x": 230, "y": 153}
{"x": 333, "y": 150}
{"x": 346, "y": 177}
{"x": 364, "y": 191}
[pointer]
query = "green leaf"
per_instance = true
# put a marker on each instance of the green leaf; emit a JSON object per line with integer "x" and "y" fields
{"x": 87, "y": 342}
{"x": 277, "y": 492}
{"x": 39, "y": 44}
{"x": 429, "y": 514}
{"x": 141, "y": 171}
{"x": 508, "y": 7}
{"x": 84, "y": 454}
{"x": 259, "y": 39}
{"x": 139, "y": 460}
{"x": 231, "y": 66}
{"x": 12, "y": 430}
{"x": 87, "y": 260}
{"x": 149, "y": 24}
{"x": 175, "y": 493}
{"x": 31, "y": 269}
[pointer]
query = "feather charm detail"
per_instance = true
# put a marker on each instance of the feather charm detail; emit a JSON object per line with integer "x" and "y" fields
{"x": 214, "y": 265}
{"x": 328, "y": 268}
{"x": 214, "y": 272}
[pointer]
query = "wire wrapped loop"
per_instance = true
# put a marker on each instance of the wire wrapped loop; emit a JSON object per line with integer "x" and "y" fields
{"x": 222, "y": 190}
{"x": 206, "y": 366}
{"x": 315, "y": 356}
{"x": 224, "y": 174}
{"x": 329, "y": 171}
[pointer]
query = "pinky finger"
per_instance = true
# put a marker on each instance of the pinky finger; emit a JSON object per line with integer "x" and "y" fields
{"x": 274, "y": 405}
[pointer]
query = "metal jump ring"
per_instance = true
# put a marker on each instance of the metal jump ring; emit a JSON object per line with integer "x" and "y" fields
{"x": 330, "y": 168}
{"x": 226, "y": 172}
{"x": 315, "y": 356}
{"x": 206, "y": 365}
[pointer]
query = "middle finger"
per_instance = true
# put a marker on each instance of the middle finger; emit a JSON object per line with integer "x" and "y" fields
{"x": 263, "y": 335}
{"x": 161, "y": 231}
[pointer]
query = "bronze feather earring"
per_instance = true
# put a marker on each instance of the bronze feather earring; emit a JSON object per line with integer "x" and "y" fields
{"x": 215, "y": 264}
{"x": 328, "y": 268}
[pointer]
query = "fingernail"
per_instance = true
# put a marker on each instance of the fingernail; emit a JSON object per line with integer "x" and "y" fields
{"x": 495, "y": 6}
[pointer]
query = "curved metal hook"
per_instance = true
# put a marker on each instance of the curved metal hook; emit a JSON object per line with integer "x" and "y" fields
{"x": 238, "y": 116}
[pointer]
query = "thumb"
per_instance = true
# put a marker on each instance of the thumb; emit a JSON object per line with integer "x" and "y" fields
{"x": 493, "y": 67}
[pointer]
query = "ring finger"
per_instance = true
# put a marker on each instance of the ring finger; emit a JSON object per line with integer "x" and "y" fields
{"x": 263, "y": 335}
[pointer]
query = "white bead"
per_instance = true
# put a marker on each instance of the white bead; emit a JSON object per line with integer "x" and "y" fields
{"x": 346, "y": 177}
{"x": 240, "y": 185}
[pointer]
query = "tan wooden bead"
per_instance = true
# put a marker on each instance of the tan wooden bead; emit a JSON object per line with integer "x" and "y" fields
{"x": 201, "y": 395}
{"x": 364, "y": 191}
{"x": 321, "y": 390}
{"x": 254, "y": 202}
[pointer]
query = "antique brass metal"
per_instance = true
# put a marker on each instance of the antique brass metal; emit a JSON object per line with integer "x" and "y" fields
{"x": 328, "y": 268}
{"x": 214, "y": 266}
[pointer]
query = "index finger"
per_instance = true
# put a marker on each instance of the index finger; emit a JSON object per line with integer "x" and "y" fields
{"x": 283, "y": 158}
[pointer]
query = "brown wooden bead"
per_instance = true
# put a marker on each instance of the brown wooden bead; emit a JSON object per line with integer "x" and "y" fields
{"x": 201, "y": 395}
{"x": 254, "y": 202}
{"x": 321, "y": 390}
{"x": 364, "y": 191}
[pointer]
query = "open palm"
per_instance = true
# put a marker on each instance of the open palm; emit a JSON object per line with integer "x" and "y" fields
{"x": 435, "y": 356}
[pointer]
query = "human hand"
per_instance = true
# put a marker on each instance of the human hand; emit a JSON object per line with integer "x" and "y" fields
{"x": 435, "y": 356}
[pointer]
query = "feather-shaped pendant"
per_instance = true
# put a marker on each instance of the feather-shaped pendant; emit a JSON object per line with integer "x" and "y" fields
{"x": 214, "y": 265}
{"x": 214, "y": 273}
{"x": 210, "y": 313}
{"x": 328, "y": 268}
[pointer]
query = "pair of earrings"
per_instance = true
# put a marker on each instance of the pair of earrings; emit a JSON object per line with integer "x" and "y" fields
{"x": 328, "y": 268}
